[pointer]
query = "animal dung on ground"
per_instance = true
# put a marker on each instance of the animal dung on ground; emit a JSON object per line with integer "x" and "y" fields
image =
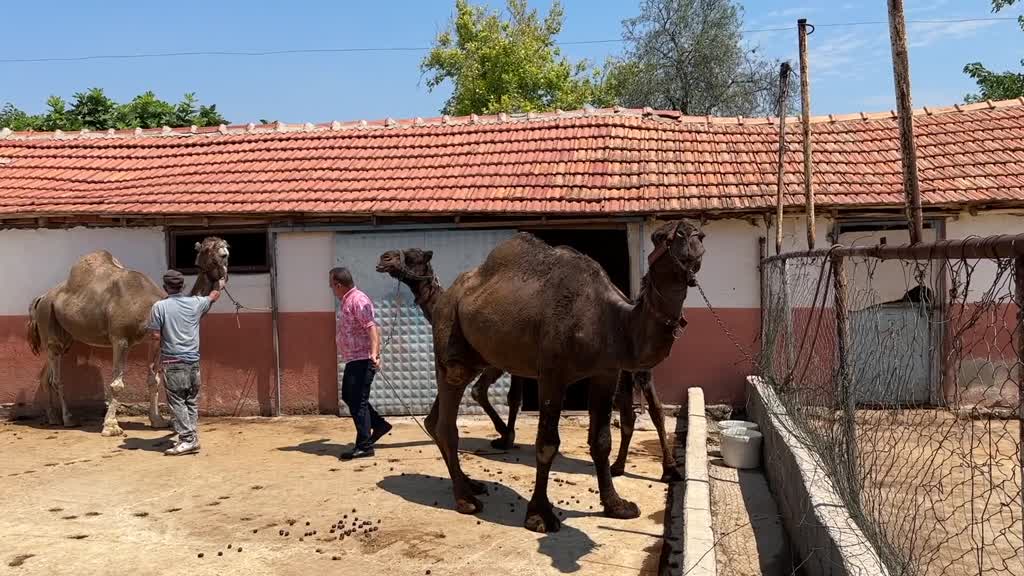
{"x": 220, "y": 553}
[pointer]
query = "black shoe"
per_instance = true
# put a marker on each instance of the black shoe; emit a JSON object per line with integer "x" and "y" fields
{"x": 379, "y": 433}
{"x": 357, "y": 453}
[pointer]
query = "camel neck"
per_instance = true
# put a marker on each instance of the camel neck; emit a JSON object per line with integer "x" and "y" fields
{"x": 426, "y": 291}
{"x": 202, "y": 286}
{"x": 653, "y": 320}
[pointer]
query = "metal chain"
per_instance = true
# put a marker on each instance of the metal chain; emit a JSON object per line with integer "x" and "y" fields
{"x": 725, "y": 330}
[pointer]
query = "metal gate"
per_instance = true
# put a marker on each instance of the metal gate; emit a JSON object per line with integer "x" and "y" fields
{"x": 892, "y": 354}
{"x": 409, "y": 358}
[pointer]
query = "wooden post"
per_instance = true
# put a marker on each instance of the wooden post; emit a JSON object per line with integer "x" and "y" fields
{"x": 805, "y": 114}
{"x": 846, "y": 401}
{"x": 908, "y": 149}
{"x": 1018, "y": 274}
{"x": 783, "y": 99}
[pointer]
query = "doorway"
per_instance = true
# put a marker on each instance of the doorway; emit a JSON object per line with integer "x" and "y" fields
{"x": 610, "y": 248}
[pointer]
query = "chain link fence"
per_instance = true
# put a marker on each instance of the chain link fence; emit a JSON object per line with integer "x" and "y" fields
{"x": 903, "y": 373}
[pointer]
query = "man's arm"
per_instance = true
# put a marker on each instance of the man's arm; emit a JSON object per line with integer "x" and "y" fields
{"x": 375, "y": 345}
{"x": 215, "y": 293}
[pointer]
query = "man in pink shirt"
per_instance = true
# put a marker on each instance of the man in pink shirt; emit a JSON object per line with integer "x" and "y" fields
{"x": 358, "y": 340}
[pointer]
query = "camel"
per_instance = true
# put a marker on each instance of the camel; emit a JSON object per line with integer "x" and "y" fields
{"x": 412, "y": 267}
{"x": 554, "y": 315}
{"x": 104, "y": 304}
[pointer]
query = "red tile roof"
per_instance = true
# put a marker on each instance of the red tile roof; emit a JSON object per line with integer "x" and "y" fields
{"x": 595, "y": 162}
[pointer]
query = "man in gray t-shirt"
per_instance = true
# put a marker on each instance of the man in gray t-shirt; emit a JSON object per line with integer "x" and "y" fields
{"x": 175, "y": 323}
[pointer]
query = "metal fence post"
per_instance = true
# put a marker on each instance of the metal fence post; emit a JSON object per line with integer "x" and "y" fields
{"x": 844, "y": 380}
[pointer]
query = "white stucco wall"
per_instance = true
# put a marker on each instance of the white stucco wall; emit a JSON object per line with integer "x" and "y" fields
{"x": 35, "y": 260}
{"x": 303, "y": 260}
{"x": 985, "y": 224}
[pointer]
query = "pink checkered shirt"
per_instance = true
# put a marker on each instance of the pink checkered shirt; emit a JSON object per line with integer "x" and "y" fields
{"x": 354, "y": 320}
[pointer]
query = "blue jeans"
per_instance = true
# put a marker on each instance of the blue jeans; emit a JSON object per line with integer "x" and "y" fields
{"x": 355, "y": 392}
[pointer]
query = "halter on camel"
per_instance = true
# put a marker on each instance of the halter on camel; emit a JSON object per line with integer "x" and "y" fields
{"x": 665, "y": 247}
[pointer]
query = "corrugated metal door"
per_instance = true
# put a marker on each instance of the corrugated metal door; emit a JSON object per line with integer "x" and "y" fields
{"x": 409, "y": 356}
{"x": 891, "y": 355}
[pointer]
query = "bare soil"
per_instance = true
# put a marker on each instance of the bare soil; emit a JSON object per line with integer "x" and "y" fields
{"x": 945, "y": 491}
{"x": 264, "y": 495}
{"x": 750, "y": 539}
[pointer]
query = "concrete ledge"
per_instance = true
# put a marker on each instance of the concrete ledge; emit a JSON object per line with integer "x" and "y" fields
{"x": 698, "y": 535}
{"x": 824, "y": 535}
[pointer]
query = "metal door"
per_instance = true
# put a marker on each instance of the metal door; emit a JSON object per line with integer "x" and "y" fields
{"x": 409, "y": 354}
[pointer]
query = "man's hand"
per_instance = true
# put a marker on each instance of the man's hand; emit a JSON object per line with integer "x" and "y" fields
{"x": 375, "y": 360}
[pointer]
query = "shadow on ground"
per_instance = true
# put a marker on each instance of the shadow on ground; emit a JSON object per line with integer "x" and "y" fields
{"x": 503, "y": 506}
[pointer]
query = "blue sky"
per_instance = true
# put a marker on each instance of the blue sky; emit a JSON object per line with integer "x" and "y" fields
{"x": 850, "y": 65}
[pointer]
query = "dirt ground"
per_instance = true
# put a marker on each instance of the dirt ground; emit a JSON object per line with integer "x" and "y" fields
{"x": 263, "y": 495}
{"x": 750, "y": 539}
{"x": 945, "y": 490}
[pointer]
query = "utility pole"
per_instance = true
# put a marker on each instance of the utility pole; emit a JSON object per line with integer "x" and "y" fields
{"x": 908, "y": 148}
{"x": 805, "y": 114}
{"x": 783, "y": 99}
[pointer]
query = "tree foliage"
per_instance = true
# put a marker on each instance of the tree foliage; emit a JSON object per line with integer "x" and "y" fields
{"x": 94, "y": 110}
{"x": 996, "y": 85}
{"x": 688, "y": 55}
{"x": 509, "y": 64}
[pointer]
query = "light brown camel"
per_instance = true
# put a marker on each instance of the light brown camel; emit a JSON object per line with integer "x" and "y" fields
{"x": 412, "y": 267}
{"x": 553, "y": 314}
{"x": 104, "y": 304}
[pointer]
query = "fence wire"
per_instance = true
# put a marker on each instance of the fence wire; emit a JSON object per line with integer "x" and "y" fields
{"x": 915, "y": 414}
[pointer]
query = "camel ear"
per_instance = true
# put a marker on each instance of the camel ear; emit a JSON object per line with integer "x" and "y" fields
{"x": 658, "y": 236}
{"x": 427, "y": 255}
{"x": 199, "y": 246}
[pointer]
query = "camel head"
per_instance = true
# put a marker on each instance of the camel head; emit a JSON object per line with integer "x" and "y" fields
{"x": 408, "y": 264}
{"x": 681, "y": 241}
{"x": 212, "y": 258}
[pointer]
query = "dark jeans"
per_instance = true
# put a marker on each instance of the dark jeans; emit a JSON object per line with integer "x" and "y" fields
{"x": 355, "y": 391}
{"x": 181, "y": 382}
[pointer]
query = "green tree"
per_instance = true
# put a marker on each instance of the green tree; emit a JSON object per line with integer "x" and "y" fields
{"x": 499, "y": 64}
{"x": 94, "y": 110}
{"x": 688, "y": 55}
{"x": 996, "y": 85}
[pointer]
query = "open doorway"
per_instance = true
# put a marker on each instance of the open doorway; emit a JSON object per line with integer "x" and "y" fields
{"x": 610, "y": 248}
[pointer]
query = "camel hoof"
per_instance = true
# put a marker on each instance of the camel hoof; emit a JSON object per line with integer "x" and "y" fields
{"x": 622, "y": 510}
{"x": 503, "y": 443}
{"x": 543, "y": 521}
{"x": 618, "y": 470}
{"x": 671, "y": 475}
{"x": 113, "y": 430}
{"x": 468, "y": 505}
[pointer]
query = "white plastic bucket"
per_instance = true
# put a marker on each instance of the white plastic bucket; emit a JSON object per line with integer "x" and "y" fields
{"x": 725, "y": 424}
{"x": 741, "y": 447}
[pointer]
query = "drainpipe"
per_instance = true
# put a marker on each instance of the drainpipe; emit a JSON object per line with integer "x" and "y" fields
{"x": 274, "y": 318}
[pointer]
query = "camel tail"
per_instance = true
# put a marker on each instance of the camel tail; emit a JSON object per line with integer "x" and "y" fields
{"x": 35, "y": 341}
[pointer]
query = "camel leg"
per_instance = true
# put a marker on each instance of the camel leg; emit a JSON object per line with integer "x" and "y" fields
{"x": 153, "y": 385}
{"x": 602, "y": 388}
{"x": 515, "y": 401}
{"x": 669, "y": 470}
{"x": 53, "y": 416}
{"x": 479, "y": 393}
{"x": 431, "y": 424}
{"x": 540, "y": 515}
{"x": 110, "y": 426}
{"x": 57, "y": 391}
{"x": 627, "y": 419}
{"x": 449, "y": 398}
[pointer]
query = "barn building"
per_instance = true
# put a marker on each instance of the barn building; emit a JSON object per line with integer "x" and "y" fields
{"x": 295, "y": 200}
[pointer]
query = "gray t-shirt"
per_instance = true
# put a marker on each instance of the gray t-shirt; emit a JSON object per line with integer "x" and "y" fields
{"x": 177, "y": 318}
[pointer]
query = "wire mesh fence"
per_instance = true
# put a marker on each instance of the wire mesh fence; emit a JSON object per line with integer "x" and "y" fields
{"x": 904, "y": 376}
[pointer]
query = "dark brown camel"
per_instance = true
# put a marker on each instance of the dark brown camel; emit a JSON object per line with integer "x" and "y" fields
{"x": 413, "y": 268}
{"x": 554, "y": 315}
{"x": 104, "y": 304}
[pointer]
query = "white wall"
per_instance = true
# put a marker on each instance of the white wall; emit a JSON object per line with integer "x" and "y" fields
{"x": 303, "y": 260}
{"x": 985, "y": 224}
{"x": 33, "y": 261}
